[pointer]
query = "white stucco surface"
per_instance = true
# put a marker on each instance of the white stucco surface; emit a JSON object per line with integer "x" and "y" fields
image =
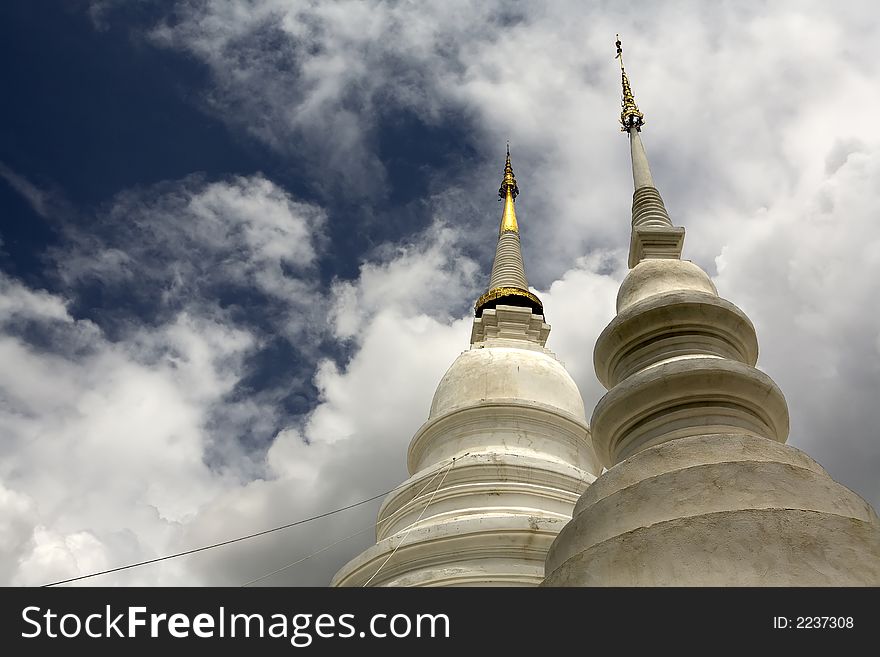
{"x": 656, "y": 276}
{"x": 718, "y": 510}
{"x": 496, "y": 469}
{"x": 504, "y": 373}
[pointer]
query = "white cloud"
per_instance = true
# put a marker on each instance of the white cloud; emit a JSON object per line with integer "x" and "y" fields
{"x": 16, "y": 510}
{"x": 112, "y": 443}
{"x": 109, "y": 442}
{"x": 185, "y": 236}
{"x": 808, "y": 274}
{"x": 429, "y": 277}
{"x": 740, "y": 100}
{"x": 18, "y": 302}
{"x": 54, "y": 557}
{"x": 37, "y": 198}
{"x": 353, "y": 444}
{"x": 578, "y": 306}
{"x": 106, "y": 459}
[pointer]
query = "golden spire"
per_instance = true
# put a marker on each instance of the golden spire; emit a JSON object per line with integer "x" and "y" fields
{"x": 508, "y": 284}
{"x": 508, "y": 193}
{"x": 630, "y": 116}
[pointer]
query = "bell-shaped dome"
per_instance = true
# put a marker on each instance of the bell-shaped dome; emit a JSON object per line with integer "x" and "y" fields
{"x": 659, "y": 276}
{"x": 507, "y": 374}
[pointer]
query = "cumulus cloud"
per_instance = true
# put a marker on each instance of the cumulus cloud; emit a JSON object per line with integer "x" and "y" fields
{"x": 110, "y": 440}
{"x": 808, "y": 278}
{"x": 118, "y": 428}
{"x": 353, "y": 443}
{"x": 578, "y": 306}
{"x": 416, "y": 278}
{"x": 104, "y": 449}
{"x": 189, "y": 241}
{"x": 726, "y": 136}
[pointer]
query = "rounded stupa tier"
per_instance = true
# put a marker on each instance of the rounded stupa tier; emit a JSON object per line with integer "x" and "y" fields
{"x": 490, "y": 524}
{"x": 687, "y": 397}
{"x": 718, "y": 510}
{"x": 496, "y": 374}
{"x": 505, "y": 399}
{"x": 653, "y": 277}
{"x": 679, "y": 361}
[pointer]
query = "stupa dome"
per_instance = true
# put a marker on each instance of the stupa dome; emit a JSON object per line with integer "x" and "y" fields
{"x": 658, "y": 276}
{"x": 496, "y": 374}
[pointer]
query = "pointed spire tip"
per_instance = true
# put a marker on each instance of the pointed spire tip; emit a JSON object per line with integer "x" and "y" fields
{"x": 630, "y": 116}
{"x": 508, "y": 184}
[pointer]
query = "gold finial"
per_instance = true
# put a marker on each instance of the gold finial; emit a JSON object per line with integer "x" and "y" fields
{"x": 630, "y": 116}
{"x": 509, "y": 182}
{"x": 508, "y": 193}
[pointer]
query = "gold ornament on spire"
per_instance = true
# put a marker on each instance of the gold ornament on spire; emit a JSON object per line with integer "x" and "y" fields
{"x": 630, "y": 116}
{"x": 508, "y": 193}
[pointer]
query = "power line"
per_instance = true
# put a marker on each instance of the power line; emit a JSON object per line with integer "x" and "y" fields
{"x": 359, "y": 532}
{"x": 409, "y": 529}
{"x": 298, "y": 561}
{"x": 261, "y": 533}
{"x": 222, "y": 543}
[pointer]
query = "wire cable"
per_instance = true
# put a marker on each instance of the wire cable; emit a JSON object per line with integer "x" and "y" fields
{"x": 298, "y": 561}
{"x": 222, "y": 543}
{"x": 249, "y": 536}
{"x": 342, "y": 540}
{"x": 409, "y": 529}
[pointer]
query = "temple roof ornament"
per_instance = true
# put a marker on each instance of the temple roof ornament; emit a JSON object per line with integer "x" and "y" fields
{"x": 508, "y": 193}
{"x": 630, "y": 116}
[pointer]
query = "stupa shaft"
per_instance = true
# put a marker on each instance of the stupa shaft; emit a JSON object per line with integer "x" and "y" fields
{"x": 641, "y": 170}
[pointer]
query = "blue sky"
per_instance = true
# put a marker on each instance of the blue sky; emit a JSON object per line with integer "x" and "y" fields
{"x": 240, "y": 242}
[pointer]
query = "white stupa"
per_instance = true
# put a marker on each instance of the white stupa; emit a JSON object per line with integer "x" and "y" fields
{"x": 502, "y": 459}
{"x": 701, "y": 489}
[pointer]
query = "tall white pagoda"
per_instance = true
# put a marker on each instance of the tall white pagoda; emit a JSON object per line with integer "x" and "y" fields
{"x": 700, "y": 488}
{"x": 503, "y": 457}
